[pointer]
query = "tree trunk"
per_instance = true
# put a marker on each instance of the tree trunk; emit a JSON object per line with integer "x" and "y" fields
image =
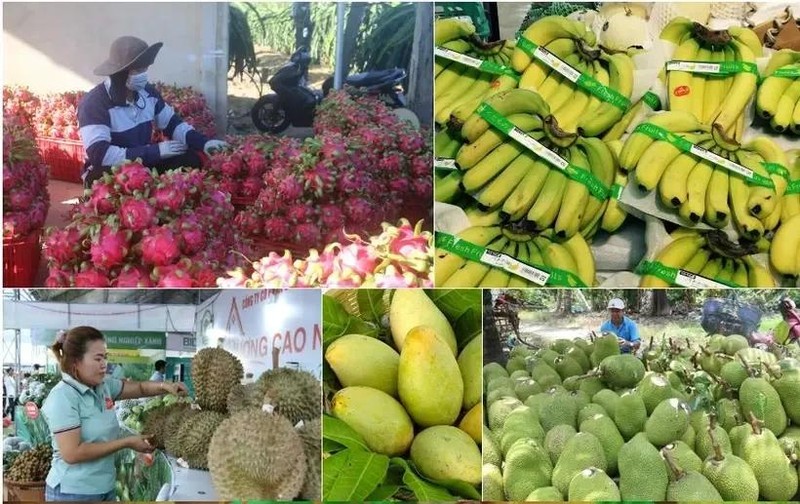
{"x": 492, "y": 350}
{"x": 420, "y": 86}
{"x": 660, "y": 303}
{"x": 351, "y": 29}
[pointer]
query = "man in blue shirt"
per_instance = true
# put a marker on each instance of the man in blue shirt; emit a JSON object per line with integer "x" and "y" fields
{"x": 624, "y": 328}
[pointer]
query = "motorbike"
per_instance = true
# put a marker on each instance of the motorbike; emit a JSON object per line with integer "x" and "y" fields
{"x": 293, "y": 101}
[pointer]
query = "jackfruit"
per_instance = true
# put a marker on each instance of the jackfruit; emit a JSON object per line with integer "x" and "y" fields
{"x": 684, "y": 456}
{"x": 359, "y": 360}
{"x": 734, "y": 374}
{"x": 758, "y": 396}
{"x": 376, "y": 416}
{"x": 519, "y": 374}
{"x": 560, "y": 345}
{"x": 491, "y": 453}
{"x": 654, "y": 388}
{"x": 214, "y": 373}
{"x": 605, "y": 430}
{"x": 492, "y": 483}
{"x": 411, "y": 308}
{"x": 604, "y": 346}
{"x": 567, "y": 366}
{"x": 428, "y": 379}
{"x": 692, "y": 486}
{"x": 593, "y": 485}
{"x": 667, "y": 423}
{"x": 580, "y": 357}
{"x": 544, "y": 494}
{"x": 525, "y": 388}
{"x": 788, "y": 388}
{"x": 591, "y": 386}
{"x": 499, "y": 410}
{"x": 734, "y": 343}
{"x": 689, "y": 437}
{"x": 703, "y": 445}
{"x": 443, "y": 452}
{"x": 572, "y": 383}
{"x": 493, "y": 370}
{"x": 621, "y": 371}
{"x": 527, "y": 467}
{"x": 520, "y": 424}
{"x": 642, "y": 473}
{"x": 631, "y": 414}
{"x": 500, "y": 382}
{"x": 729, "y": 412}
{"x": 295, "y": 394}
{"x": 776, "y": 476}
{"x": 254, "y": 455}
{"x": 516, "y": 364}
{"x": 731, "y": 476}
{"x": 556, "y": 439}
{"x": 589, "y": 411}
{"x": 498, "y": 394}
{"x": 581, "y": 452}
{"x": 608, "y": 399}
{"x": 556, "y": 409}
{"x": 545, "y": 375}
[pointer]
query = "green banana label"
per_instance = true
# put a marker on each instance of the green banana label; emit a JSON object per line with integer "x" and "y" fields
{"x": 540, "y": 275}
{"x": 708, "y": 67}
{"x": 658, "y": 133}
{"x": 679, "y": 277}
{"x": 585, "y": 177}
{"x": 776, "y": 169}
{"x": 616, "y": 191}
{"x": 791, "y": 72}
{"x": 793, "y": 187}
{"x": 587, "y": 82}
{"x": 652, "y": 100}
{"x": 445, "y": 164}
{"x": 484, "y": 66}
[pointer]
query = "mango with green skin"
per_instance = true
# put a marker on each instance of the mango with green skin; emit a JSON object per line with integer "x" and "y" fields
{"x": 377, "y": 417}
{"x": 359, "y": 360}
{"x": 411, "y": 308}
{"x": 443, "y": 452}
{"x": 429, "y": 379}
{"x": 470, "y": 362}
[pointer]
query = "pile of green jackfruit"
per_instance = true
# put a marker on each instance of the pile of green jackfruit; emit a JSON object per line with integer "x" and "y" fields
{"x": 579, "y": 421}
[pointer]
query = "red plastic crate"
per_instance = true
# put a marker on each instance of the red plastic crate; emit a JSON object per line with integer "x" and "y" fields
{"x": 64, "y": 157}
{"x": 21, "y": 259}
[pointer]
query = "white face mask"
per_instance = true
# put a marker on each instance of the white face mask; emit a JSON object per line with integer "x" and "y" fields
{"x": 137, "y": 82}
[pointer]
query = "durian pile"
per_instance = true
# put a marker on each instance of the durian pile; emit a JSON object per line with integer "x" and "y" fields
{"x": 31, "y": 465}
{"x": 259, "y": 441}
{"x": 579, "y": 421}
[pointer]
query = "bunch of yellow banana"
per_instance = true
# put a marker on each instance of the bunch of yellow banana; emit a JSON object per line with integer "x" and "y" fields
{"x": 791, "y": 199}
{"x": 501, "y": 173}
{"x": 691, "y": 252}
{"x": 541, "y": 251}
{"x": 457, "y": 86}
{"x": 778, "y": 98}
{"x": 700, "y": 190}
{"x": 718, "y": 100}
{"x": 784, "y": 253}
{"x": 447, "y": 185}
{"x": 575, "y": 109}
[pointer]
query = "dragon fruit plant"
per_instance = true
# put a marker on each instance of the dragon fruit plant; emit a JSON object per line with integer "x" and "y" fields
{"x": 25, "y": 197}
{"x": 57, "y": 116}
{"x": 136, "y": 228}
{"x": 191, "y": 106}
{"x": 400, "y": 256}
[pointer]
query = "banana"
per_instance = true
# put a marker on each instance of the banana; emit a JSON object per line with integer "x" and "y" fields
{"x": 698, "y": 261}
{"x": 758, "y": 275}
{"x": 545, "y": 209}
{"x": 673, "y": 188}
{"x": 654, "y": 161}
{"x": 679, "y": 87}
{"x": 448, "y": 188}
{"x": 726, "y": 273}
{"x": 697, "y": 84}
{"x": 545, "y": 30}
{"x": 513, "y": 101}
{"x": 717, "y": 209}
{"x": 478, "y": 217}
{"x": 459, "y": 46}
{"x": 556, "y": 256}
{"x": 615, "y": 216}
{"x": 712, "y": 269}
{"x": 795, "y": 126}
{"x": 748, "y": 226}
{"x": 600, "y": 74}
{"x": 448, "y": 78}
{"x": 447, "y": 263}
{"x": 791, "y": 202}
{"x": 523, "y": 196}
{"x": 442, "y": 103}
{"x": 443, "y": 144}
{"x": 740, "y": 274}
{"x": 577, "y": 105}
{"x": 574, "y": 199}
{"x": 693, "y": 209}
{"x": 591, "y": 226}
{"x": 620, "y": 70}
{"x": 638, "y": 142}
{"x": 488, "y": 167}
{"x": 714, "y": 90}
{"x": 677, "y": 29}
{"x": 783, "y": 116}
{"x": 769, "y": 95}
{"x": 772, "y": 153}
{"x": 449, "y": 29}
{"x": 460, "y": 114}
{"x": 584, "y": 258}
{"x": 603, "y": 163}
{"x": 772, "y": 220}
{"x": 742, "y": 90}
{"x": 465, "y": 91}
{"x": 675, "y": 255}
{"x": 496, "y": 192}
{"x": 522, "y": 255}
{"x": 472, "y": 153}
{"x": 762, "y": 200}
{"x": 749, "y": 38}
{"x": 533, "y": 76}
{"x": 472, "y": 272}
{"x": 780, "y": 59}
{"x": 786, "y": 247}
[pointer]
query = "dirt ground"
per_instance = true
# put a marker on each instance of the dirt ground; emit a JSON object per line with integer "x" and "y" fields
{"x": 243, "y": 92}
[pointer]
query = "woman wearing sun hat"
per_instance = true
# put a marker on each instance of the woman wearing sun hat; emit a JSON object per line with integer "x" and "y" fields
{"x": 117, "y": 116}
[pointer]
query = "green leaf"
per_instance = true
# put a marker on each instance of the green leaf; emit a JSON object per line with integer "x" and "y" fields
{"x": 468, "y": 326}
{"x": 370, "y": 304}
{"x": 383, "y": 492}
{"x": 336, "y": 322}
{"x": 331, "y": 446}
{"x": 352, "y": 475}
{"x": 423, "y": 490}
{"x": 338, "y": 431}
{"x": 461, "y": 488}
{"x": 454, "y": 302}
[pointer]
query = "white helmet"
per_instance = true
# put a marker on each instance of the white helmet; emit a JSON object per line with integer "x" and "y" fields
{"x": 616, "y": 304}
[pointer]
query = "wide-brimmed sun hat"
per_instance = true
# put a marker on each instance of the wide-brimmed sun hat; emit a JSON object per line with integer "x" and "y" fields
{"x": 128, "y": 52}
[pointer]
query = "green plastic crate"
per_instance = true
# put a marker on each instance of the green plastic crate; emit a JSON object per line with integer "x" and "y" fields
{"x": 471, "y": 10}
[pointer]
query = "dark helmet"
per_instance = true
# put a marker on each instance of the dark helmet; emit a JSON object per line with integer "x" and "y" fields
{"x": 787, "y": 304}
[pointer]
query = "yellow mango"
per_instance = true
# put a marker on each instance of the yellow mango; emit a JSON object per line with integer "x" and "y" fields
{"x": 447, "y": 453}
{"x": 359, "y": 360}
{"x": 472, "y": 423}
{"x": 470, "y": 362}
{"x": 377, "y": 416}
{"x": 411, "y": 308}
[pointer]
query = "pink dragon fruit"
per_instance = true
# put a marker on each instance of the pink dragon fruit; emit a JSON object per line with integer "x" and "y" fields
{"x": 249, "y": 222}
{"x": 175, "y": 279}
{"x": 133, "y": 276}
{"x": 277, "y": 229}
{"x": 110, "y": 247}
{"x": 332, "y": 217}
{"x": 132, "y": 177}
{"x": 251, "y": 187}
{"x": 290, "y": 189}
{"x": 423, "y": 188}
{"x": 232, "y": 167}
{"x": 167, "y": 198}
{"x": 399, "y": 186}
{"x": 57, "y": 278}
{"x": 412, "y": 143}
{"x": 230, "y": 186}
{"x": 358, "y": 210}
{"x": 193, "y": 237}
{"x": 308, "y": 234}
{"x": 205, "y": 277}
{"x": 319, "y": 180}
{"x": 420, "y": 167}
{"x": 391, "y": 165}
{"x": 91, "y": 277}
{"x": 136, "y": 214}
{"x": 392, "y": 278}
{"x": 300, "y": 213}
{"x": 160, "y": 247}
{"x": 276, "y": 270}
{"x": 16, "y": 224}
{"x": 102, "y": 198}
{"x": 361, "y": 258}
{"x": 63, "y": 245}
{"x": 19, "y": 200}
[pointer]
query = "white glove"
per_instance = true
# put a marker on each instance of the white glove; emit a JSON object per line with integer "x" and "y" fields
{"x": 213, "y": 145}
{"x": 171, "y": 148}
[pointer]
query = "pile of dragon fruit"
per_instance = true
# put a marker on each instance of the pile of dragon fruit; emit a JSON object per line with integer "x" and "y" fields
{"x": 57, "y": 115}
{"x": 363, "y": 167}
{"x": 400, "y": 256}
{"x": 137, "y": 228}
{"x": 191, "y": 106}
{"x": 20, "y": 104}
{"x": 240, "y": 167}
{"x": 25, "y": 197}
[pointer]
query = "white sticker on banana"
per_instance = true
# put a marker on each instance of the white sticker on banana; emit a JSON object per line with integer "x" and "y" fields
{"x": 538, "y": 149}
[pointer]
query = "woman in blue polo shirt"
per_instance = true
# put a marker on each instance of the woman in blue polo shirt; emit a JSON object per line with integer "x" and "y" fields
{"x": 624, "y": 328}
{"x": 80, "y": 414}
